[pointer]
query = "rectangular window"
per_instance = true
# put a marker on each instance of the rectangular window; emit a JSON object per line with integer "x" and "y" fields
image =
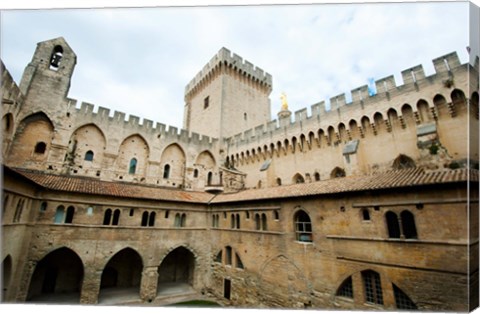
{"x": 206, "y": 102}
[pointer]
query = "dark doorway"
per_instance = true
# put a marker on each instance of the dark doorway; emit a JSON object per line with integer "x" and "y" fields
{"x": 226, "y": 288}
{"x": 177, "y": 266}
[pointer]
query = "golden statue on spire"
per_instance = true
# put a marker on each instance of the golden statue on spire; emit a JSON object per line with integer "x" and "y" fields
{"x": 283, "y": 97}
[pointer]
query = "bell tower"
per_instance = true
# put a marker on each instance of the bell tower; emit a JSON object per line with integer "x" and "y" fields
{"x": 46, "y": 79}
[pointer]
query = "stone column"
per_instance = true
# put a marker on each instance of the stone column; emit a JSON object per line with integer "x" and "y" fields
{"x": 148, "y": 285}
{"x": 91, "y": 286}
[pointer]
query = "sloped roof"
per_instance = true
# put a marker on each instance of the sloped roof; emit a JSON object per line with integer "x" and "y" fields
{"x": 388, "y": 180}
{"x": 391, "y": 179}
{"x": 116, "y": 189}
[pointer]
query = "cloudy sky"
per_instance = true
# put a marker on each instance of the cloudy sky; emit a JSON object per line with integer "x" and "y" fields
{"x": 138, "y": 60}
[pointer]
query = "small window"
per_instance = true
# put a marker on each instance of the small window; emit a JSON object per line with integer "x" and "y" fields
{"x": 206, "y": 102}
{"x": 228, "y": 255}
{"x": 346, "y": 289}
{"x": 365, "y": 214}
{"x": 238, "y": 262}
{"x": 183, "y": 221}
{"x": 257, "y": 222}
{"x": 40, "y": 148}
{"x": 151, "y": 219}
{"x": 132, "y": 211}
{"x": 237, "y": 221}
{"x": 408, "y": 225}
{"x": 59, "y": 215}
{"x": 218, "y": 257}
{"x": 316, "y": 176}
{"x": 89, "y": 156}
{"x": 107, "y": 217}
{"x": 279, "y": 181}
{"x": 245, "y": 117}
{"x": 195, "y": 173}
{"x": 70, "y": 213}
{"x": 133, "y": 166}
{"x": 303, "y": 227}
{"x": 43, "y": 207}
{"x": 226, "y": 288}
{"x": 276, "y": 215}
{"x": 166, "y": 171}
{"x": 372, "y": 287}
{"x": 166, "y": 214}
{"x": 177, "y": 222}
{"x": 392, "y": 225}
{"x": 247, "y": 214}
{"x": 144, "y": 219}
{"x": 264, "y": 222}
{"x": 116, "y": 217}
{"x": 89, "y": 211}
{"x": 232, "y": 221}
{"x": 56, "y": 58}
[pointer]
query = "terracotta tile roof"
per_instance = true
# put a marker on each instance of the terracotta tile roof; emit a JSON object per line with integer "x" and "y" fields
{"x": 116, "y": 189}
{"x": 386, "y": 180}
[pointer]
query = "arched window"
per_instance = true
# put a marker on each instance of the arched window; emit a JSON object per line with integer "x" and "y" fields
{"x": 183, "y": 221}
{"x": 408, "y": 225}
{"x": 56, "y": 57}
{"x": 346, "y": 288}
{"x": 303, "y": 227}
{"x": 43, "y": 207}
{"x": 89, "y": 156}
{"x": 392, "y": 225}
{"x": 403, "y": 162}
{"x": 238, "y": 221}
{"x": 264, "y": 222}
{"x": 59, "y": 215}
{"x": 195, "y": 173}
{"x": 40, "y": 148}
{"x": 107, "y": 216}
{"x": 166, "y": 171}
{"x": 133, "y": 166}
{"x": 337, "y": 173}
{"x": 257, "y": 222}
{"x": 279, "y": 181}
{"x": 214, "y": 221}
{"x": 116, "y": 217}
{"x": 232, "y": 221}
{"x": 402, "y": 300}
{"x": 298, "y": 178}
{"x": 151, "y": 219}
{"x": 372, "y": 287}
{"x": 70, "y": 213}
{"x": 316, "y": 176}
{"x": 228, "y": 255}
{"x": 178, "y": 221}
{"x": 209, "y": 178}
{"x": 144, "y": 219}
{"x": 218, "y": 257}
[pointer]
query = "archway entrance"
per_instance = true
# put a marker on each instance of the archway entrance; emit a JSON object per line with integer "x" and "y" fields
{"x": 6, "y": 274}
{"x": 57, "y": 278}
{"x": 121, "y": 277}
{"x": 175, "y": 273}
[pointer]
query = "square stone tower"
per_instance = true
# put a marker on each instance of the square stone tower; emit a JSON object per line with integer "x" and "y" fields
{"x": 227, "y": 97}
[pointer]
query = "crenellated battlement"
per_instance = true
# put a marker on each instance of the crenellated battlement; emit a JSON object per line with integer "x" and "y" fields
{"x": 133, "y": 125}
{"x": 324, "y": 114}
{"x": 232, "y": 60}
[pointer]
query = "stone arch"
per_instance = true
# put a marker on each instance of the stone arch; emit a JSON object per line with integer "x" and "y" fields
{"x": 337, "y": 172}
{"x": 123, "y": 270}
{"x": 33, "y": 130}
{"x": 298, "y": 178}
{"x": 379, "y": 122}
{"x": 294, "y": 144}
{"x": 85, "y": 139}
{"x": 366, "y": 126}
{"x": 311, "y": 139}
{"x": 60, "y": 271}
{"x": 393, "y": 120}
{"x": 342, "y": 132}
{"x": 441, "y": 106}
{"x": 293, "y": 280}
{"x": 407, "y": 115}
{"x": 459, "y": 102}
{"x": 354, "y": 131}
{"x": 423, "y": 111}
{"x": 177, "y": 267}
{"x": 332, "y": 136}
{"x": 174, "y": 156}
{"x": 322, "y": 138}
{"x": 206, "y": 160}
{"x": 6, "y": 276}
{"x": 133, "y": 147}
{"x": 403, "y": 162}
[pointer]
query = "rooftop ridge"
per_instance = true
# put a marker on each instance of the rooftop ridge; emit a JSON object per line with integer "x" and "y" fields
{"x": 231, "y": 59}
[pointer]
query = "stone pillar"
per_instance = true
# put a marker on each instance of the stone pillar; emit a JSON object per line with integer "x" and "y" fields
{"x": 91, "y": 286}
{"x": 148, "y": 285}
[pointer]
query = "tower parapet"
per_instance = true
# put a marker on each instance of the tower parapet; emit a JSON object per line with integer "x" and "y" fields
{"x": 229, "y": 59}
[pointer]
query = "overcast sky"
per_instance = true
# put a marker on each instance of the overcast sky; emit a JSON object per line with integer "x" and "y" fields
{"x": 139, "y": 60}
